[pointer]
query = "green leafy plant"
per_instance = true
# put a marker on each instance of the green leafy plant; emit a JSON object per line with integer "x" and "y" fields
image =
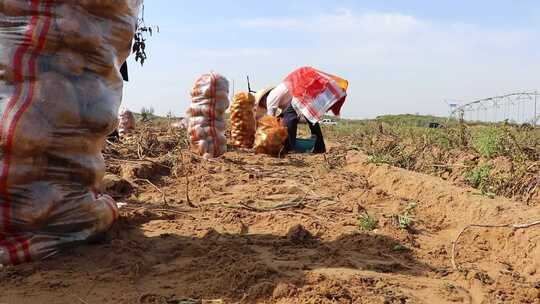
{"x": 147, "y": 114}
{"x": 479, "y": 177}
{"x": 406, "y": 220}
{"x": 400, "y": 248}
{"x": 367, "y": 222}
{"x": 489, "y": 142}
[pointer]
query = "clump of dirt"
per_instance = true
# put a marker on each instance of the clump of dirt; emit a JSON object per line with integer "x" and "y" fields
{"x": 116, "y": 186}
{"x": 143, "y": 170}
{"x": 298, "y": 235}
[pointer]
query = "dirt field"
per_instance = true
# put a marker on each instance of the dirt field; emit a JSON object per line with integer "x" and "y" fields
{"x": 268, "y": 230}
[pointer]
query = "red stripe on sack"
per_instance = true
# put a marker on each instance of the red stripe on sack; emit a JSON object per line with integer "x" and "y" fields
{"x": 213, "y": 133}
{"x": 13, "y": 126}
{"x": 12, "y": 251}
{"x": 18, "y": 67}
{"x": 111, "y": 206}
{"x": 25, "y": 246}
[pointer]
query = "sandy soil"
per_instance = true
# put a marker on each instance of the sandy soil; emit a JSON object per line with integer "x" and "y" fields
{"x": 286, "y": 231}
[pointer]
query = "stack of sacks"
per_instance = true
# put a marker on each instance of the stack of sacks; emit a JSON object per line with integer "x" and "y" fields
{"x": 243, "y": 125}
{"x": 209, "y": 101}
{"x": 60, "y": 90}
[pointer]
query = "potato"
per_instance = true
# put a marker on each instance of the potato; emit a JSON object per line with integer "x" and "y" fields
{"x": 119, "y": 35}
{"x": 15, "y": 7}
{"x": 68, "y": 63}
{"x": 100, "y": 212}
{"x": 81, "y": 169}
{"x": 24, "y": 170}
{"x": 207, "y": 112}
{"x": 79, "y": 31}
{"x": 110, "y": 8}
{"x": 7, "y": 69}
{"x": 77, "y": 143}
{"x": 56, "y": 99}
{"x": 35, "y": 204}
{"x": 33, "y": 133}
{"x": 7, "y": 74}
{"x": 99, "y": 104}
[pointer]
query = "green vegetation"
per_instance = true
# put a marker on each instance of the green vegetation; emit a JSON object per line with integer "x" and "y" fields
{"x": 415, "y": 120}
{"x": 489, "y": 142}
{"x": 405, "y": 221}
{"x": 367, "y": 222}
{"x": 147, "y": 114}
{"x": 479, "y": 177}
{"x": 496, "y": 159}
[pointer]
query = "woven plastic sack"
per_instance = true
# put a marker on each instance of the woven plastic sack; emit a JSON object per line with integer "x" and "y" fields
{"x": 243, "y": 125}
{"x": 271, "y": 136}
{"x": 315, "y": 93}
{"x": 209, "y": 101}
{"x": 60, "y": 90}
{"x": 127, "y": 122}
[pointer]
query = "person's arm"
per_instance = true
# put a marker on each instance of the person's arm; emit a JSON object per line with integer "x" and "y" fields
{"x": 272, "y": 103}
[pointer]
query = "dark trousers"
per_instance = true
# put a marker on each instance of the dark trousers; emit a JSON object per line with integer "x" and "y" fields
{"x": 290, "y": 120}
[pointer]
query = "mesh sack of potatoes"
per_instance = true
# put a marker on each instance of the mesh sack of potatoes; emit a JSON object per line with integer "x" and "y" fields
{"x": 270, "y": 137}
{"x": 60, "y": 90}
{"x": 127, "y": 122}
{"x": 209, "y": 101}
{"x": 243, "y": 125}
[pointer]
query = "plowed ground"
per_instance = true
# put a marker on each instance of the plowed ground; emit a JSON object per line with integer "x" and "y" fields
{"x": 267, "y": 230}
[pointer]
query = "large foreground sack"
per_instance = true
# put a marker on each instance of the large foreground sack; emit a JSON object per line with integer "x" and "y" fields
{"x": 60, "y": 90}
{"x": 209, "y": 101}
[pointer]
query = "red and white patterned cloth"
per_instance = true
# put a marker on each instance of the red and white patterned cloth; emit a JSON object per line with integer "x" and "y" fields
{"x": 315, "y": 93}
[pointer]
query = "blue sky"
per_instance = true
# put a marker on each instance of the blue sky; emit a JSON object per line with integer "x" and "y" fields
{"x": 403, "y": 56}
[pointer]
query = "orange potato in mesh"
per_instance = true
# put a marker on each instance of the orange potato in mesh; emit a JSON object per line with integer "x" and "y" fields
{"x": 270, "y": 137}
{"x": 243, "y": 120}
{"x": 56, "y": 98}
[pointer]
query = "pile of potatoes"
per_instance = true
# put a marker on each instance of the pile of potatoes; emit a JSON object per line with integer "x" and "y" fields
{"x": 243, "y": 124}
{"x": 59, "y": 66}
{"x": 207, "y": 124}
